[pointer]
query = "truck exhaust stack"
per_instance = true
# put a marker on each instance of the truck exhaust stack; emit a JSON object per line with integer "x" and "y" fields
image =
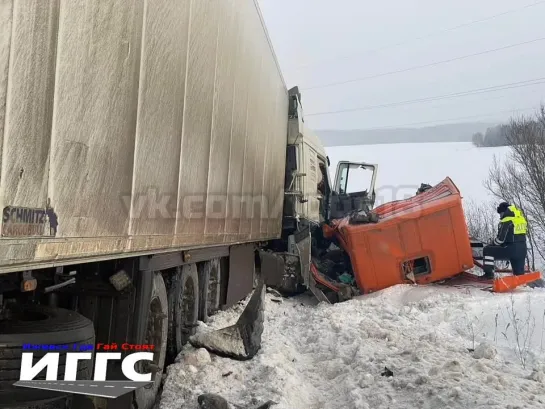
{"x": 242, "y": 340}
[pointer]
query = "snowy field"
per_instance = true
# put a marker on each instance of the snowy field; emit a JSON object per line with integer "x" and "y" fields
{"x": 456, "y": 347}
{"x": 403, "y": 167}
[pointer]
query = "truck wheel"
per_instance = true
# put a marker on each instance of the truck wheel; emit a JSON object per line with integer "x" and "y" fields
{"x": 209, "y": 288}
{"x": 36, "y": 324}
{"x": 183, "y": 300}
{"x": 156, "y": 334}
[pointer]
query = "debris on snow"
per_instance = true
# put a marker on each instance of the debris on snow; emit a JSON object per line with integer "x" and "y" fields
{"x": 387, "y": 373}
{"x": 242, "y": 339}
{"x": 212, "y": 401}
{"x": 485, "y": 351}
{"x": 331, "y": 356}
{"x": 273, "y": 292}
{"x": 265, "y": 405}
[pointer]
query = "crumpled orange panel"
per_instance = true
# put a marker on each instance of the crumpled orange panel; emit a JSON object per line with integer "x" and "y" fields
{"x": 431, "y": 224}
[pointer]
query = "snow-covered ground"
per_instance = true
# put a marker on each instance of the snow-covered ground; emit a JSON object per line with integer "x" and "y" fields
{"x": 403, "y": 167}
{"x": 318, "y": 356}
{"x": 333, "y": 356}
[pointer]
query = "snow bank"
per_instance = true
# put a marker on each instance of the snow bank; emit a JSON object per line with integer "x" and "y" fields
{"x": 444, "y": 347}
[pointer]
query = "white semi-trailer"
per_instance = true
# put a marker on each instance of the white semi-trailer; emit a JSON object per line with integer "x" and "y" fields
{"x": 122, "y": 122}
{"x": 148, "y": 150}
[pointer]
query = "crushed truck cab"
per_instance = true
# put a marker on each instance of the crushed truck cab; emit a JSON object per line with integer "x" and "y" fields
{"x": 419, "y": 240}
{"x": 338, "y": 245}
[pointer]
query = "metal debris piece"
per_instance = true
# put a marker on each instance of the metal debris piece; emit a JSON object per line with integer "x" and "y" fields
{"x": 242, "y": 340}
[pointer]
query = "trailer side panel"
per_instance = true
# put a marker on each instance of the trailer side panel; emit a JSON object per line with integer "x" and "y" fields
{"x": 136, "y": 126}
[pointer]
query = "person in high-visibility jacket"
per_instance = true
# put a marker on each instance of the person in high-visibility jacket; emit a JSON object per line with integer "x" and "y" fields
{"x": 510, "y": 242}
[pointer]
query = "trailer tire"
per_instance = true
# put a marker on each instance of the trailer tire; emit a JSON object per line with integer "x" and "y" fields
{"x": 209, "y": 288}
{"x": 40, "y": 325}
{"x": 183, "y": 301}
{"x": 156, "y": 334}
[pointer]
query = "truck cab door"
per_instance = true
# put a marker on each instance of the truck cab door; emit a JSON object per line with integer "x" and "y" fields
{"x": 353, "y": 189}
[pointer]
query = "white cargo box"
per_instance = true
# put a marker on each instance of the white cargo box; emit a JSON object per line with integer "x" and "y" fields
{"x": 136, "y": 126}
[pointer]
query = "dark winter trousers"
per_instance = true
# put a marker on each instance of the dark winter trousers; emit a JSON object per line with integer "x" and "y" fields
{"x": 514, "y": 252}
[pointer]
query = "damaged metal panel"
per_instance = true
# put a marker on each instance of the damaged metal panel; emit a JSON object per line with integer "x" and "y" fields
{"x": 28, "y": 107}
{"x": 281, "y": 271}
{"x": 160, "y": 117}
{"x": 222, "y": 121}
{"x": 94, "y": 117}
{"x": 138, "y": 113}
{"x": 197, "y": 122}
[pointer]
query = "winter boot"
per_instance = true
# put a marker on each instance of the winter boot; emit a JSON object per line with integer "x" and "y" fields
{"x": 488, "y": 275}
{"x": 488, "y": 268}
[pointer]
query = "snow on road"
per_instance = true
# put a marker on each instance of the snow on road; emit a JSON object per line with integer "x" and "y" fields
{"x": 332, "y": 356}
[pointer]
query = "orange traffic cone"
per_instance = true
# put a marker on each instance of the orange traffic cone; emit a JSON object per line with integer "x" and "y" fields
{"x": 507, "y": 283}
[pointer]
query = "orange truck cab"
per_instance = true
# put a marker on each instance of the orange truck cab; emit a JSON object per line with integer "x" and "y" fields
{"x": 418, "y": 240}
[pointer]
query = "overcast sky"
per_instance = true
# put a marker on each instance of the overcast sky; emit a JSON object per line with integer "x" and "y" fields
{"x": 319, "y": 42}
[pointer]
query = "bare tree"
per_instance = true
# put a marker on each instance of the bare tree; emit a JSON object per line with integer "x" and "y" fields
{"x": 520, "y": 177}
{"x": 480, "y": 220}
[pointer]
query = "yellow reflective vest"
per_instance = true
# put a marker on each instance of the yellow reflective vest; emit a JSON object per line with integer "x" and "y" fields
{"x": 520, "y": 225}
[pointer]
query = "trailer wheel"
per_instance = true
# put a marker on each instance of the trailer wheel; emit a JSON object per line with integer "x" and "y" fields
{"x": 209, "y": 288}
{"x": 36, "y": 324}
{"x": 156, "y": 334}
{"x": 183, "y": 299}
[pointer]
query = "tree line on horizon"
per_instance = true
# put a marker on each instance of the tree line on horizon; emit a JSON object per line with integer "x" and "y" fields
{"x": 500, "y": 135}
{"x": 494, "y": 136}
